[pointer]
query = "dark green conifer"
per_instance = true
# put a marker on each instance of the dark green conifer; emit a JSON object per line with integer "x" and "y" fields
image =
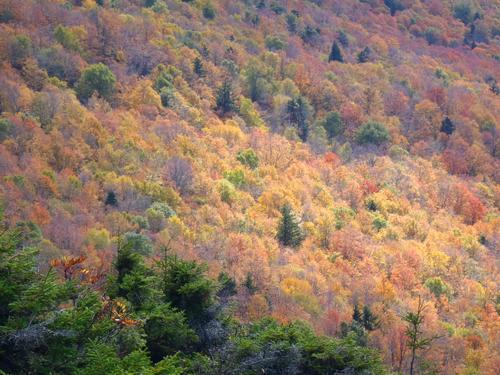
{"x": 370, "y": 320}
{"x": 225, "y": 101}
{"x": 198, "y": 67}
{"x": 364, "y": 55}
{"x": 447, "y": 126}
{"x": 356, "y": 314}
{"x": 336, "y": 53}
{"x": 299, "y": 112}
{"x": 289, "y": 231}
{"x": 111, "y": 199}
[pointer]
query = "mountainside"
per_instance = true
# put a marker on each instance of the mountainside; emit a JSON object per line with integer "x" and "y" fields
{"x": 334, "y": 164}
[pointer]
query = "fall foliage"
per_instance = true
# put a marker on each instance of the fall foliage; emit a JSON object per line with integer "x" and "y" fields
{"x": 193, "y": 186}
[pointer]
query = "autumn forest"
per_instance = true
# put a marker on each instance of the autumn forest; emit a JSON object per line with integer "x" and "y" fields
{"x": 224, "y": 187}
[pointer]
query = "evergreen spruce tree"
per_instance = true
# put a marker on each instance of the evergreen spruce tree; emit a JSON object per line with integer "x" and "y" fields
{"x": 370, "y": 320}
{"x": 447, "y": 126}
{"x": 198, "y": 67}
{"x": 225, "y": 102}
{"x": 394, "y": 6}
{"x": 299, "y": 111}
{"x": 364, "y": 55}
{"x": 343, "y": 39}
{"x": 356, "y": 314}
{"x": 111, "y": 199}
{"x": 336, "y": 53}
{"x": 289, "y": 232}
{"x": 250, "y": 284}
{"x": 414, "y": 333}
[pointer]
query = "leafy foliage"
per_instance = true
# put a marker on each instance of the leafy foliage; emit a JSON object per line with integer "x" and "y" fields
{"x": 416, "y": 216}
{"x": 96, "y": 78}
{"x": 372, "y": 132}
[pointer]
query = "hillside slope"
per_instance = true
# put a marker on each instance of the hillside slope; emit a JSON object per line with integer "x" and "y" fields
{"x": 194, "y": 125}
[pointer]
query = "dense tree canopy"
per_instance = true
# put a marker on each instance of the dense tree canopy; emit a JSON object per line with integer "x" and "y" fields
{"x": 148, "y": 149}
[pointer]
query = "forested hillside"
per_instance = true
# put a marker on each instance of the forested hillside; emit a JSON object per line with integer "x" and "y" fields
{"x": 249, "y": 186}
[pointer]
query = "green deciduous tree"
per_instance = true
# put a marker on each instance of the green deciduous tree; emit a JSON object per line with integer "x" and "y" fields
{"x": 372, "y": 132}
{"x": 333, "y": 124}
{"x": 20, "y": 48}
{"x": 67, "y": 38}
{"x": 96, "y": 78}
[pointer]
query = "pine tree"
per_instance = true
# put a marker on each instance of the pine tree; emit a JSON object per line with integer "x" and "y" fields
{"x": 394, "y": 6}
{"x": 415, "y": 336}
{"x": 336, "y": 53}
{"x": 299, "y": 110}
{"x": 356, "y": 314}
{"x": 198, "y": 67}
{"x": 250, "y": 284}
{"x": 225, "y": 102}
{"x": 289, "y": 232}
{"x": 364, "y": 55}
{"x": 447, "y": 126}
{"x": 343, "y": 39}
{"x": 185, "y": 286}
{"x": 370, "y": 320}
{"x": 111, "y": 199}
